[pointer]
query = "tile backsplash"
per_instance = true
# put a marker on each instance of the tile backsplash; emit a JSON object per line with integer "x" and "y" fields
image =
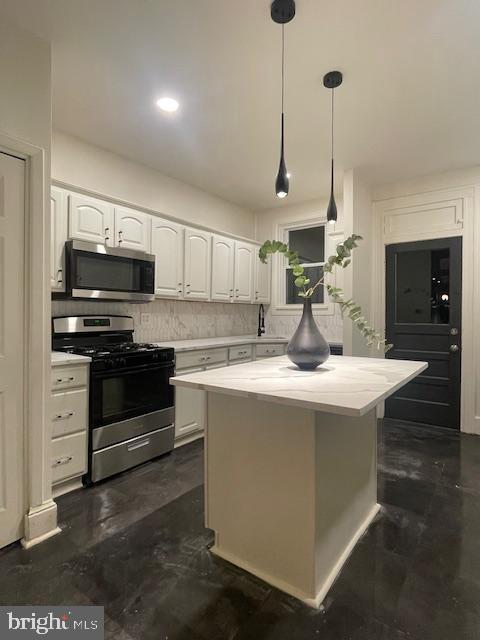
{"x": 171, "y": 319}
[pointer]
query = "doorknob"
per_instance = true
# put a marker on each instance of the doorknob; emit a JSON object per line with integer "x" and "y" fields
{"x": 454, "y": 331}
{"x": 454, "y": 348}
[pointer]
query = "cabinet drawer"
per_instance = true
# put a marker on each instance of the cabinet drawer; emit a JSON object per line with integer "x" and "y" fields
{"x": 242, "y": 352}
{"x": 269, "y": 350}
{"x": 69, "y": 377}
{"x": 69, "y": 457}
{"x": 201, "y": 358}
{"x": 69, "y": 412}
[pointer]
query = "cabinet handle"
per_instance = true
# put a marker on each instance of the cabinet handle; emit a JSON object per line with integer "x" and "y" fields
{"x": 187, "y": 293}
{"x": 64, "y": 460}
{"x": 59, "y": 276}
{"x": 107, "y": 229}
{"x": 69, "y": 379}
{"x": 242, "y": 353}
{"x": 120, "y": 239}
{"x": 64, "y": 416}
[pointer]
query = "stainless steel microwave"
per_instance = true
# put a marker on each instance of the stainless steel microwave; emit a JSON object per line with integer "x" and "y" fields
{"x": 99, "y": 272}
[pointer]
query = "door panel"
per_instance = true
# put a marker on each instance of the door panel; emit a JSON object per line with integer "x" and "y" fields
{"x": 58, "y": 237}
{"x": 167, "y": 247}
{"x": 243, "y": 283}
{"x": 91, "y": 220}
{"x": 189, "y": 407}
{"x": 223, "y": 253}
{"x": 132, "y": 229}
{"x": 198, "y": 261}
{"x": 262, "y": 280}
{"x": 423, "y": 321}
{"x": 12, "y": 286}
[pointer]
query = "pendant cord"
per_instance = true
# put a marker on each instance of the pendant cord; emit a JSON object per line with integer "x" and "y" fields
{"x": 283, "y": 63}
{"x": 333, "y": 90}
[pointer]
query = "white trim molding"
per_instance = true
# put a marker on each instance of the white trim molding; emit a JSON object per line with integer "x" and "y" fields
{"x": 428, "y": 215}
{"x": 41, "y": 511}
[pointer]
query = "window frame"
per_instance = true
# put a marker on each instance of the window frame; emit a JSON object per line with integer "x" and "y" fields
{"x": 280, "y": 266}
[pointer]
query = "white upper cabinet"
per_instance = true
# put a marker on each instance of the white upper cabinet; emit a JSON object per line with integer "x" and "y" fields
{"x": 167, "y": 247}
{"x": 58, "y": 237}
{"x": 262, "y": 280}
{"x": 243, "y": 280}
{"x": 223, "y": 256}
{"x": 91, "y": 220}
{"x": 132, "y": 229}
{"x": 198, "y": 264}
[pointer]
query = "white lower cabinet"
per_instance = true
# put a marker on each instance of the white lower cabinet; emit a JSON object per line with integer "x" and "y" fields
{"x": 269, "y": 350}
{"x": 189, "y": 409}
{"x": 69, "y": 423}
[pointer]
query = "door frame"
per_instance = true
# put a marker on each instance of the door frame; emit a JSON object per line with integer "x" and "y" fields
{"x": 40, "y": 509}
{"x": 431, "y": 215}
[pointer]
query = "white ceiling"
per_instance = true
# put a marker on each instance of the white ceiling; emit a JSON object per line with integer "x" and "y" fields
{"x": 409, "y": 105}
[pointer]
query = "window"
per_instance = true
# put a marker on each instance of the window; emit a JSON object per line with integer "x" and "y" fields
{"x": 309, "y": 243}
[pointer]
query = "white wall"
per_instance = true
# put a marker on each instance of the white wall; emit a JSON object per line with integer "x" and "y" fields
{"x": 266, "y": 227}
{"x": 83, "y": 165}
{"x": 25, "y": 124}
{"x": 358, "y": 219}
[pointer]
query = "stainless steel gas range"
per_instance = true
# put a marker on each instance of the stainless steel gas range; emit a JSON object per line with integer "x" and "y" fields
{"x": 131, "y": 405}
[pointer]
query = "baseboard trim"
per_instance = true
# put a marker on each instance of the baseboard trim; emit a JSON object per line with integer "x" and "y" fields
{"x": 40, "y": 524}
{"x": 188, "y": 438}
{"x": 291, "y": 590}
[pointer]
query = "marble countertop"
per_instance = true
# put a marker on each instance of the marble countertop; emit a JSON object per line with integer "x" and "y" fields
{"x": 59, "y": 358}
{"x": 226, "y": 341}
{"x": 343, "y": 385}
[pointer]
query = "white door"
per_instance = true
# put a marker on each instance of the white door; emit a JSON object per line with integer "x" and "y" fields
{"x": 12, "y": 287}
{"x": 91, "y": 220}
{"x": 58, "y": 237}
{"x": 189, "y": 408}
{"x": 262, "y": 281}
{"x": 167, "y": 247}
{"x": 243, "y": 281}
{"x": 223, "y": 254}
{"x": 132, "y": 229}
{"x": 198, "y": 262}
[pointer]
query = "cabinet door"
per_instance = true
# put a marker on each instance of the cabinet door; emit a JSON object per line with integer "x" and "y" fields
{"x": 91, "y": 220}
{"x": 198, "y": 264}
{"x": 167, "y": 247}
{"x": 189, "y": 408}
{"x": 132, "y": 229}
{"x": 262, "y": 281}
{"x": 58, "y": 237}
{"x": 243, "y": 281}
{"x": 223, "y": 253}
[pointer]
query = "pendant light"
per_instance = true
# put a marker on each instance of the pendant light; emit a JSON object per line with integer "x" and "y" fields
{"x": 282, "y": 11}
{"x": 332, "y": 80}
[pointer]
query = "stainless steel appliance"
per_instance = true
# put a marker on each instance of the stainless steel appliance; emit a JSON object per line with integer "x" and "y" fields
{"x": 131, "y": 403}
{"x": 108, "y": 273}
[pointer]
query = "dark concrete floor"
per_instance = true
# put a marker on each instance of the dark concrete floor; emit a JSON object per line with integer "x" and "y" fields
{"x": 136, "y": 544}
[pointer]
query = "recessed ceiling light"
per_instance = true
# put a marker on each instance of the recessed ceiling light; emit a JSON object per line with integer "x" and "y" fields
{"x": 167, "y": 104}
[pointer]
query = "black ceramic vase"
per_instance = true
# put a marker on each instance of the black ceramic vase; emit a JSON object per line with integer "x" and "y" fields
{"x": 308, "y": 348}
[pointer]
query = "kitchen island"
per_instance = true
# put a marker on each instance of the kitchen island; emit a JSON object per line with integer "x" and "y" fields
{"x": 290, "y": 461}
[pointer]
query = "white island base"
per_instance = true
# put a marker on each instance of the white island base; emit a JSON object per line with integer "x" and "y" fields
{"x": 291, "y": 463}
{"x": 289, "y": 491}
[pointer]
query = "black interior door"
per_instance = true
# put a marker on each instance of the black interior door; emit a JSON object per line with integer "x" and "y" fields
{"x": 423, "y": 321}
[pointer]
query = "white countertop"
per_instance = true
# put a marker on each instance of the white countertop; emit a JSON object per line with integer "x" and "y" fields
{"x": 59, "y": 358}
{"x": 343, "y": 385}
{"x": 226, "y": 341}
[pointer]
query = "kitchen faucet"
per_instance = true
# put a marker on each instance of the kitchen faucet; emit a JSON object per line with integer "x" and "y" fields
{"x": 261, "y": 321}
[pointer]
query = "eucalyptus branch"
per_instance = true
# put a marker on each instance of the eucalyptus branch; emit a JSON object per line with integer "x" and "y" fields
{"x": 341, "y": 259}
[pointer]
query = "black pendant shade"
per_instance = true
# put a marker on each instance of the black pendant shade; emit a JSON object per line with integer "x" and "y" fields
{"x": 332, "y": 80}
{"x": 282, "y": 182}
